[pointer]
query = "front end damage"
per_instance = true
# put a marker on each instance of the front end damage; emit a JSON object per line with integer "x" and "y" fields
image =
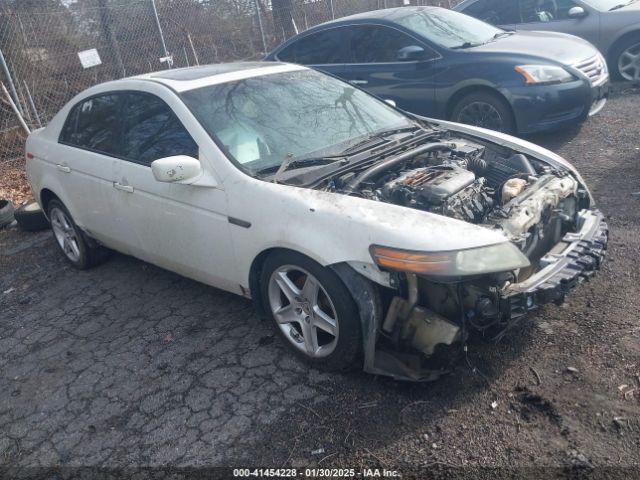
{"x": 424, "y": 304}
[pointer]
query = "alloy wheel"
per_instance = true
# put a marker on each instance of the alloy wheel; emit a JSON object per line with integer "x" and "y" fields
{"x": 65, "y": 234}
{"x": 303, "y": 311}
{"x": 629, "y": 63}
{"x": 481, "y": 114}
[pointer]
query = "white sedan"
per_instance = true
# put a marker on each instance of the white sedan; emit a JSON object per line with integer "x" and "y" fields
{"x": 370, "y": 237}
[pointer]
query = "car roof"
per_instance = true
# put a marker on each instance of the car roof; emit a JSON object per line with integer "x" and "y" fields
{"x": 183, "y": 79}
{"x": 387, "y": 14}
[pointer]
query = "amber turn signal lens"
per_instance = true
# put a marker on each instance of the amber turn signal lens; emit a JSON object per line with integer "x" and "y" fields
{"x": 410, "y": 261}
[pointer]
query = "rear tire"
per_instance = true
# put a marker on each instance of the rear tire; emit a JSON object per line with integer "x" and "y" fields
{"x": 80, "y": 251}
{"x": 312, "y": 310}
{"x": 486, "y": 110}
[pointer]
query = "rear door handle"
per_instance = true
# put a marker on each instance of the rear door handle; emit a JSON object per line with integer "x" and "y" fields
{"x": 124, "y": 188}
{"x": 63, "y": 168}
{"x": 358, "y": 82}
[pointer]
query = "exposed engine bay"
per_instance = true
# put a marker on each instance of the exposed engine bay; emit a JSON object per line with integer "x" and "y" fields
{"x": 536, "y": 206}
{"x": 530, "y": 202}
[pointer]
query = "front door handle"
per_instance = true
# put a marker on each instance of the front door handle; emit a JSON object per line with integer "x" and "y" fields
{"x": 124, "y": 188}
{"x": 63, "y": 168}
{"x": 358, "y": 82}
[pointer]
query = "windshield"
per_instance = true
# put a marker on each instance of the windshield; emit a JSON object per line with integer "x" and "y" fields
{"x": 448, "y": 28}
{"x": 261, "y": 121}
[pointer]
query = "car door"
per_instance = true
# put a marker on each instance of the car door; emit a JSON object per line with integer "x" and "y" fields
{"x": 553, "y": 16}
{"x": 324, "y": 50}
{"x": 89, "y": 146}
{"x": 183, "y": 228}
{"x": 502, "y": 13}
{"x": 375, "y": 65}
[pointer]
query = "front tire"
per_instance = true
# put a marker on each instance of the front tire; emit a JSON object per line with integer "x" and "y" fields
{"x": 79, "y": 250}
{"x": 625, "y": 59}
{"x": 312, "y": 310}
{"x": 486, "y": 110}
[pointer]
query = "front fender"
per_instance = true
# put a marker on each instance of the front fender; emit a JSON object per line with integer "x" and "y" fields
{"x": 333, "y": 228}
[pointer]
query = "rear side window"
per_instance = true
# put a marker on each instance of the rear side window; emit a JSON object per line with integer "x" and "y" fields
{"x": 496, "y": 12}
{"x": 378, "y": 44}
{"x": 320, "y": 48}
{"x": 94, "y": 124}
{"x": 153, "y": 131}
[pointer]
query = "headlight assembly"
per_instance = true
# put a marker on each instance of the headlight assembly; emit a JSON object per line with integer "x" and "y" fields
{"x": 501, "y": 257}
{"x": 540, "y": 74}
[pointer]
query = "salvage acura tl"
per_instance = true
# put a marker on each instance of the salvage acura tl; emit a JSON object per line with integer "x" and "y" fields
{"x": 369, "y": 236}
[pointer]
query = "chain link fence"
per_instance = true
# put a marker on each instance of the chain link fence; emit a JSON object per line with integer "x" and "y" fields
{"x": 41, "y": 44}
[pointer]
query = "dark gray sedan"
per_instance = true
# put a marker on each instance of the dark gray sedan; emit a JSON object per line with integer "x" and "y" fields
{"x": 611, "y": 25}
{"x": 443, "y": 64}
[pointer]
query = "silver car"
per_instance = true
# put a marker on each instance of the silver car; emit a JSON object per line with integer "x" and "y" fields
{"x": 611, "y": 25}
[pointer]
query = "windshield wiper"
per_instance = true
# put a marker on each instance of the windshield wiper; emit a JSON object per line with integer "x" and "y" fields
{"x": 380, "y": 135}
{"x": 299, "y": 163}
{"x": 500, "y": 35}
{"x": 621, "y": 5}
{"x": 466, "y": 45}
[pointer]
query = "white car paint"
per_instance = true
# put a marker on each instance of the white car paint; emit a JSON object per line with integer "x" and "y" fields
{"x": 187, "y": 229}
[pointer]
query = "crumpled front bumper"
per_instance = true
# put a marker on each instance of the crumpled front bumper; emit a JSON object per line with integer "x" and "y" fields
{"x": 574, "y": 260}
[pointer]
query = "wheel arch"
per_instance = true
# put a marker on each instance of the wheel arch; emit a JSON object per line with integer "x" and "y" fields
{"x": 255, "y": 272}
{"x": 625, "y": 37}
{"x": 464, "y": 91}
{"x": 46, "y": 196}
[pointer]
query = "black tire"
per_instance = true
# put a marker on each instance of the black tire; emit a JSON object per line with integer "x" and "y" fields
{"x": 346, "y": 354}
{"x": 617, "y": 50}
{"x": 31, "y": 218}
{"x": 491, "y": 110}
{"x": 90, "y": 254}
{"x": 6, "y": 212}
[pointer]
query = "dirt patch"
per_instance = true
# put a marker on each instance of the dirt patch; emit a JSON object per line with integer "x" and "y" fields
{"x": 13, "y": 182}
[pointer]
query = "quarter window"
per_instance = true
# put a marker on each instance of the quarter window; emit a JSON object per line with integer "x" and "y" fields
{"x": 377, "y": 44}
{"x": 322, "y": 48}
{"x": 94, "y": 124}
{"x": 153, "y": 131}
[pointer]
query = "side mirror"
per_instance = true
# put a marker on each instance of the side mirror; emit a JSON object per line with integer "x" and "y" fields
{"x": 388, "y": 101}
{"x": 176, "y": 169}
{"x": 577, "y": 12}
{"x": 412, "y": 53}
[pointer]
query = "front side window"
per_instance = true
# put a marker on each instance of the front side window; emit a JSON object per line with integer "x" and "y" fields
{"x": 448, "y": 28}
{"x": 153, "y": 131}
{"x": 545, "y": 10}
{"x": 262, "y": 121}
{"x": 94, "y": 124}
{"x": 496, "y": 12}
{"x": 322, "y": 48}
{"x": 378, "y": 44}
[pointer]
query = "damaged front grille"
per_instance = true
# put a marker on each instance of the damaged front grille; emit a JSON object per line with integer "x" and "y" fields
{"x": 575, "y": 268}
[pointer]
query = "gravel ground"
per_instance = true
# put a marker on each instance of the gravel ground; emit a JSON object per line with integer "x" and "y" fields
{"x": 128, "y": 365}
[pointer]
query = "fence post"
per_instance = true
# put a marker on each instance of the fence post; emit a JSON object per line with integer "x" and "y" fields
{"x": 7, "y": 74}
{"x": 164, "y": 45}
{"x": 264, "y": 42}
{"x": 333, "y": 13}
{"x": 32, "y": 103}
